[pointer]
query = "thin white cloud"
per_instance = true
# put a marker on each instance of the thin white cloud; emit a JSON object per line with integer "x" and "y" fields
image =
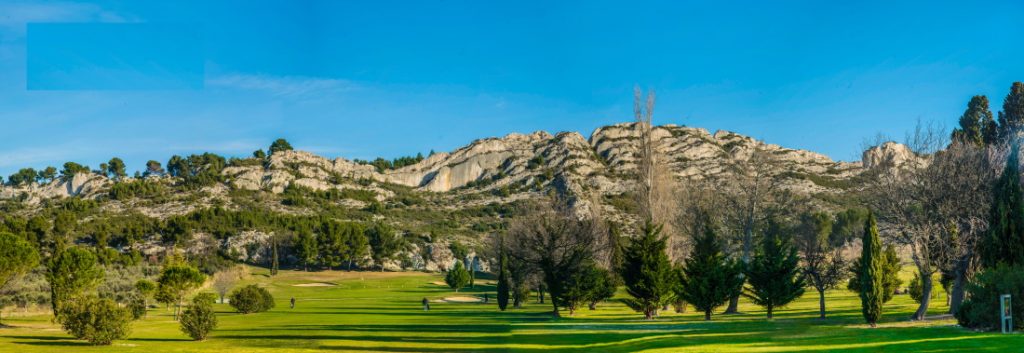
{"x": 287, "y": 86}
{"x": 14, "y": 15}
{"x": 35, "y": 156}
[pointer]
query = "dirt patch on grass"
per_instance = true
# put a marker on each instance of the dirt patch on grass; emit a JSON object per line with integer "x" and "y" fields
{"x": 462, "y": 299}
{"x": 315, "y": 284}
{"x": 439, "y": 283}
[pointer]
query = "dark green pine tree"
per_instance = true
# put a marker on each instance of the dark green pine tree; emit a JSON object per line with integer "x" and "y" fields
{"x": 1011, "y": 119}
{"x": 974, "y": 123}
{"x": 708, "y": 277}
{"x": 503, "y": 280}
{"x": 870, "y": 276}
{"x": 774, "y": 274}
{"x": 1004, "y": 242}
{"x": 647, "y": 272}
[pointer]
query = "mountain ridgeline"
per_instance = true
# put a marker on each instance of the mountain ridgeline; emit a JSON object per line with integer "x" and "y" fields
{"x": 443, "y": 206}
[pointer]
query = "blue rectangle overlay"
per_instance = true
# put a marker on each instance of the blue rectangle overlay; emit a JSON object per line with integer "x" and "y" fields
{"x": 114, "y": 56}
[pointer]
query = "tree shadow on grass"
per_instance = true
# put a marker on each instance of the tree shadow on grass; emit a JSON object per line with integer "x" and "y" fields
{"x": 47, "y": 341}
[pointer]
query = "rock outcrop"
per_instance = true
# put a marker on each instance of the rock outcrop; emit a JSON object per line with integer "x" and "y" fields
{"x": 890, "y": 155}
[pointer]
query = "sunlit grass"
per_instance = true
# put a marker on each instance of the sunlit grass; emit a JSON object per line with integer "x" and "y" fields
{"x": 367, "y": 311}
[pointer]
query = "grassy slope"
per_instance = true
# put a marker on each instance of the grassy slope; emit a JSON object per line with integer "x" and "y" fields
{"x": 381, "y": 312}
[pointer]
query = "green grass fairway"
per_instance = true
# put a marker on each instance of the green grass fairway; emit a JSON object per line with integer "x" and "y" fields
{"x": 382, "y": 312}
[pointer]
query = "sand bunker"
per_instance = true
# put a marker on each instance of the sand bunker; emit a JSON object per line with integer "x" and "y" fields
{"x": 440, "y": 283}
{"x": 463, "y": 299}
{"x": 315, "y": 284}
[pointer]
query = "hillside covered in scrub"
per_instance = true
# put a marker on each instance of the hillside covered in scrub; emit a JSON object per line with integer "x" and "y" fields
{"x": 413, "y": 213}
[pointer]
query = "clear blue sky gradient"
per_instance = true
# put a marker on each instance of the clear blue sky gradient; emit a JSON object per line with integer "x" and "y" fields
{"x": 361, "y": 79}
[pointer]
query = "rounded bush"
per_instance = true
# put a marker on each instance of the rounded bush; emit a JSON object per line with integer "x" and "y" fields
{"x": 99, "y": 321}
{"x": 199, "y": 319}
{"x": 251, "y": 299}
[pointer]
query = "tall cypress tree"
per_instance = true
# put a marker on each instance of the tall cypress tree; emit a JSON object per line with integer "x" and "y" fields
{"x": 503, "y": 280}
{"x": 708, "y": 277}
{"x": 975, "y": 122}
{"x": 774, "y": 274}
{"x": 647, "y": 272}
{"x": 1011, "y": 119}
{"x": 870, "y": 277}
{"x": 1004, "y": 242}
{"x": 274, "y": 262}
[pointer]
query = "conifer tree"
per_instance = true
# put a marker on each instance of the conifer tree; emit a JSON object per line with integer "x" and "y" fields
{"x": 71, "y": 272}
{"x": 305, "y": 249}
{"x": 774, "y": 273}
{"x": 457, "y": 276}
{"x": 647, "y": 272}
{"x": 1011, "y": 119}
{"x": 890, "y": 274}
{"x": 708, "y": 277}
{"x": 870, "y": 277}
{"x": 973, "y": 124}
{"x": 1004, "y": 242}
{"x": 274, "y": 262}
{"x": 503, "y": 280}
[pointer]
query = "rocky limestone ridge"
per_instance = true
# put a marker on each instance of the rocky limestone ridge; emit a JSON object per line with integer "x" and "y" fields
{"x": 491, "y": 163}
{"x": 604, "y": 162}
{"x": 463, "y": 193}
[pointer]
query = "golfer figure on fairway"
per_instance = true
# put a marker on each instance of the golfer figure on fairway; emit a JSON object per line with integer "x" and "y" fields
{"x": 426, "y": 304}
{"x": 293, "y": 303}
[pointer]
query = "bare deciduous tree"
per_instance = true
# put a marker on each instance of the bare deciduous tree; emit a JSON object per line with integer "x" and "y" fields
{"x": 907, "y": 200}
{"x": 960, "y": 179}
{"x": 656, "y": 186}
{"x": 822, "y": 255}
{"x": 754, "y": 193}
{"x": 226, "y": 279}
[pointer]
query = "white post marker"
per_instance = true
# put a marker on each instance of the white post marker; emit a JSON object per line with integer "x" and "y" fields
{"x": 1005, "y": 317}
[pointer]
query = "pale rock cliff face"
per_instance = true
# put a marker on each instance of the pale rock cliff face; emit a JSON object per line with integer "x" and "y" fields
{"x": 890, "y": 155}
{"x": 251, "y": 246}
{"x": 82, "y": 184}
{"x": 601, "y": 162}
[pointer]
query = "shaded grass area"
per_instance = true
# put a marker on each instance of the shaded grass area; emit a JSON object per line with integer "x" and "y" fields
{"x": 381, "y": 312}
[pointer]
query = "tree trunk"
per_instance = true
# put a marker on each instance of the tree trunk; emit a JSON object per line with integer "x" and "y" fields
{"x": 769, "y": 312}
{"x": 593, "y": 305}
{"x": 748, "y": 244}
{"x": 734, "y": 304}
{"x": 707, "y": 315}
{"x": 540, "y": 293}
{"x": 821, "y": 304}
{"x": 554, "y": 311}
{"x": 926, "y": 298}
{"x": 649, "y": 314}
{"x": 956, "y": 297}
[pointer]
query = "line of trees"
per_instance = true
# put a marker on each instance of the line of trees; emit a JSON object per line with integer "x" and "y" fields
{"x": 936, "y": 208}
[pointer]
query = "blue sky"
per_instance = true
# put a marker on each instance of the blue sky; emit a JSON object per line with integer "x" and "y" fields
{"x": 86, "y": 81}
